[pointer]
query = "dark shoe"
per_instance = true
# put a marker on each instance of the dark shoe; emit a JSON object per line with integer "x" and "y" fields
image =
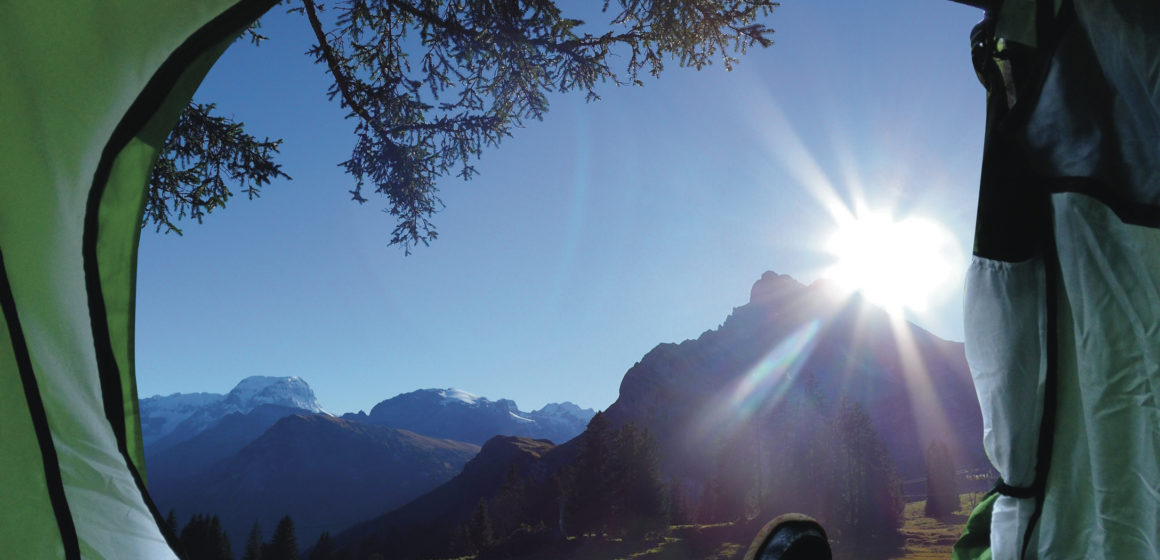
{"x": 792, "y": 536}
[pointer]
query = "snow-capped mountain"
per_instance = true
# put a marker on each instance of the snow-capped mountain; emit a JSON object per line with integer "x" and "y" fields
{"x": 456, "y": 396}
{"x": 167, "y": 420}
{"x": 686, "y": 396}
{"x": 160, "y": 415}
{"x": 463, "y": 416}
{"x": 564, "y": 416}
{"x": 267, "y": 448}
{"x": 282, "y": 391}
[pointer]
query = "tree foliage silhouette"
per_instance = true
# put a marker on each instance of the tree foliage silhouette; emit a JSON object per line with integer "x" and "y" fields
{"x": 638, "y": 493}
{"x": 808, "y": 457}
{"x": 616, "y": 487}
{"x": 587, "y": 502}
{"x": 942, "y": 493}
{"x": 171, "y": 522}
{"x": 869, "y": 506}
{"x": 283, "y": 544}
{"x": 202, "y": 158}
{"x": 479, "y": 533}
{"x": 431, "y": 83}
{"x": 324, "y": 548}
{"x": 253, "y": 544}
{"x": 203, "y": 539}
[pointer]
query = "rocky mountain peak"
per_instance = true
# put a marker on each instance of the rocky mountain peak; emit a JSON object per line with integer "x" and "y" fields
{"x": 460, "y": 415}
{"x": 283, "y": 391}
{"x": 168, "y": 420}
{"x": 790, "y": 340}
{"x": 773, "y": 287}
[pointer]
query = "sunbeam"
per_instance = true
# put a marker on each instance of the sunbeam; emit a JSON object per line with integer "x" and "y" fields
{"x": 762, "y": 387}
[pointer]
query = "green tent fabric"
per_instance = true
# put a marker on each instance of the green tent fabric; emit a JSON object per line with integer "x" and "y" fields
{"x": 1063, "y": 294}
{"x": 88, "y": 91}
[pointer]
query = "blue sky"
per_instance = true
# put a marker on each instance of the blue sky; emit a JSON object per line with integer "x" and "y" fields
{"x": 587, "y": 238}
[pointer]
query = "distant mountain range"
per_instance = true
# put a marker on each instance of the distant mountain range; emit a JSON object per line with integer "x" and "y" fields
{"x": 459, "y": 415}
{"x": 443, "y": 413}
{"x": 790, "y": 344}
{"x": 325, "y": 472}
{"x": 168, "y": 420}
{"x": 411, "y": 470}
{"x": 268, "y": 448}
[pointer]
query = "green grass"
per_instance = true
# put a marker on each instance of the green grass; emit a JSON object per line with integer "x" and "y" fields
{"x": 932, "y": 539}
{"x": 923, "y": 539}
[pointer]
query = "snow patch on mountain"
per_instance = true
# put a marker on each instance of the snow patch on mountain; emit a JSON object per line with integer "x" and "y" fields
{"x": 460, "y": 415}
{"x": 453, "y": 395}
{"x": 564, "y": 411}
{"x": 160, "y": 415}
{"x": 283, "y": 391}
{"x": 180, "y": 416}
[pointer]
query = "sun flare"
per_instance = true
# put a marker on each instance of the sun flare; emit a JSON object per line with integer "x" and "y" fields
{"x": 898, "y": 265}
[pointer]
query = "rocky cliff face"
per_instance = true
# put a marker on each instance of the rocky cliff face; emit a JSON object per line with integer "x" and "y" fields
{"x": 789, "y": 344}
{"x": 791, "y": 340}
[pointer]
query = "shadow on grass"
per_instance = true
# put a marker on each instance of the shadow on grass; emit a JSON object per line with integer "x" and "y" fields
{"x": 921, "y": 538}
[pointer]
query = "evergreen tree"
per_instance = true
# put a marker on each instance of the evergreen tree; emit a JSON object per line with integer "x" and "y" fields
{"x": 221, "y": 540}
{"x": 735, "y": 479}
{"x": 171, "y": 522}
{"x": 680, "y": 510}
{"x": 193, "y": 537}
{"x": 479, "y": 533}
{"x": 369, "y": 548}
{"x": 508, "y": 506}
{"x": 423, "y": 109}
{"x": 283, "y": 545}
{"x": 639, "y": 504}
{"x": 869, "y": 505}
{"x": 942, "y": 493}
{"x": 203, "y": 539}
{"x": 587, "y": 505}
{"x": 324, "y": 548}
{"x": 254, "y": 544}
{"x": 561, "y": 484}
{"x": 799, "y": 461}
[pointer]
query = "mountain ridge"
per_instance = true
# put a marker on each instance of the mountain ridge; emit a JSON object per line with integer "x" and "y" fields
{"x": 325, "y": 472}
{"x": 460, "y": 415}
{"x": 790, "y": 343}
{"x": 198, "y": 443}
{"x": 171, "y": 419}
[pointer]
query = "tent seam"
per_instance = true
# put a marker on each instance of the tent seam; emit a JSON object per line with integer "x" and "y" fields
{"x": 53, "y": 479}
{"x": 1050, "y": 29}
{"x": 1050, "y": 384}
{"x": 1134, "y": 213}
{"x": 143, "y": 108}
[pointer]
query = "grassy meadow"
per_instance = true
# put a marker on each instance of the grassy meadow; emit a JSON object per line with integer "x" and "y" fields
{"x": 923, "y": 539}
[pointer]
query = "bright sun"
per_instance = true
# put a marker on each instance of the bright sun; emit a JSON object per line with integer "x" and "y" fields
{"x": 898, "y": 265}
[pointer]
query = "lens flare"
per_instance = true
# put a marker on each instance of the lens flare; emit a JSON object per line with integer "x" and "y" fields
{"x": 763, "y": 386}
{"x": 768, "y": 381}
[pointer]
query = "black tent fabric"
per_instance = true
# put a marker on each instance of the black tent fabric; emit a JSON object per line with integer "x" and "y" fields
{"x": 1063, "y": 292}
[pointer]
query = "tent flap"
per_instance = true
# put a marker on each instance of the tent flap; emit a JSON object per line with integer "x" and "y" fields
{"x": 1063, "y": 346}
{"x": 87, "y": 94}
